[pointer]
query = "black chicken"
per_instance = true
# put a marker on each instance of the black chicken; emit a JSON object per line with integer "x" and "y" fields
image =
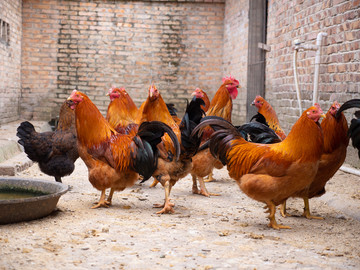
{"x": 354, "y": 130}
{"x": 54, "y": 151}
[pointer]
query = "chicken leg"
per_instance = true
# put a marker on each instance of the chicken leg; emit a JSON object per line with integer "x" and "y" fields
{"x": 102, "y": 202}
{"x": 167, "y": 206}
{"x": 283, "y": 210}
{"x": 210, "y": 177}
{"x": 203, "y": 189}
{"x": 307, "y": 210}
{"x": 273, "y": 224}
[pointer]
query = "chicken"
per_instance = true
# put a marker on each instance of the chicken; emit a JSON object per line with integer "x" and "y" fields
{"x": 173, "y": 112}
{"x": 354, "y": 130}
{"x": 169, "y": 169}
{"x": 54, "y": 151}
{"x": 270, "y": 173}
{"x": 199, "y": 93}
{"x": 203, "y": 162}
{"x": 122, "y": 111}
{"x": 267, "y": 115}
{"x": 115, "y": 160}
{"x": 335, "y": 144}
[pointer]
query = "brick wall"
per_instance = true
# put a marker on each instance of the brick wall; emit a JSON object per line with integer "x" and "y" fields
{"x": 340, "y": 63}
{"x": 10, "y": 62}
{"x": 235, "y": 55}
{"x": 94, "y": 45}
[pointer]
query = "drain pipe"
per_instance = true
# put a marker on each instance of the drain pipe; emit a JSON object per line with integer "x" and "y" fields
{"x": 296, "y": 79}
{"x": 317, "y": 65}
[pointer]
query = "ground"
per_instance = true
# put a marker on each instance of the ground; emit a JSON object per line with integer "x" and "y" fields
{"x": 225, "y": 232}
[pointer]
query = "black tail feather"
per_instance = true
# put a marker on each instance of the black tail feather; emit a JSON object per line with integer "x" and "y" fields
{"x": 191, "y": 119}
{"x": 148, "y": 137}
{"x": 354, "y": 129}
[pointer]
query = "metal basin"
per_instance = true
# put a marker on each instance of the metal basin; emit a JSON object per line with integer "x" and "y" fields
{"x": 16, "y": 210}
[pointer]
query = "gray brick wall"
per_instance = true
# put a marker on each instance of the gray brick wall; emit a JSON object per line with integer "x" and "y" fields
{"x": 10, "y": 62}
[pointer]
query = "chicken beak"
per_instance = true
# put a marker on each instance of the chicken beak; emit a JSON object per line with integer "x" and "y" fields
{"x": 252, "y": 103}
{"x": 107, "y": 94}
{"x": 323, "y": 115}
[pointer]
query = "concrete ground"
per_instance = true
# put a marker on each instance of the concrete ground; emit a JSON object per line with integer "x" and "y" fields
{"x": 221, "y": 232}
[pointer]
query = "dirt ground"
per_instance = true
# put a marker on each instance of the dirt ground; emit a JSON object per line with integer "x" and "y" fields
{"x": 224, "y": 232}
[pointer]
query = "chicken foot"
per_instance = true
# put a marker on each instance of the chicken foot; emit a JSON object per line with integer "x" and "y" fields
{"x": 283, "y": 210}
{"x": 210, "y": 177}
{"x": 273, "y": 224}
{"x": 167, "y": 206}
{"x": 307, "y": 210}
{"x": 102, "y": 202}
{"x": 203, "y": 190}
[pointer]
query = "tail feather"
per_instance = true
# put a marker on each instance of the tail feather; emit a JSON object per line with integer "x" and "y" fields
{"x": 36, "y": 146}
{"x": 354, "y": 129}
{"x": 148, "y": 137}
{"x": 191, "y": 119}
{"x": 352, "y": 103}
{"x": 258, "y": 133}
{"x": 354, "y": 132}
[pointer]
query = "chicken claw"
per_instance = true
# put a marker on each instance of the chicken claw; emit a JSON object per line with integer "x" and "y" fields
{"x": 283, "y": 210}
{"x": 102, "y": 202}
{"x": 273, "y": 224}
{"x": 203, "y": 190}
{"x": 167, "y": 208}
{"x": 210, "y": 178}
{"x": 307, "y": 210}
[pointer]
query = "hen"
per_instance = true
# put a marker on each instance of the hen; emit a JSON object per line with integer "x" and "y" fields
{"x": 199, "y": 93}
{"x": 170, "y": 169}
{"x": 54, "y": 151}
{"x": 203, "y": 162}
{"x": 335, "y": 144}
{"x": 115, "y": 160}
{"x": 122, "y": 111}
{"x": 270, "y": 173}
{"x": 354, "y": 130}
{"x": 267, "y": 115}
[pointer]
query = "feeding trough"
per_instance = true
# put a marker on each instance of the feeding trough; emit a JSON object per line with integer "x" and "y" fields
{"x": 27, "y": 199}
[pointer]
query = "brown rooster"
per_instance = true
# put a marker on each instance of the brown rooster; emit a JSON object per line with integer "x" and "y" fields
{"x": 54, "y": 151}
{"x": 270, "y": 173}
{"x": 115, "y": 160}
{"x": 267, "y": 115}
{"x": 122, "y": 111}
{"x": 170, "y": 169}
{"x": 335, "y": 144}
{"x": 203, "y": 162}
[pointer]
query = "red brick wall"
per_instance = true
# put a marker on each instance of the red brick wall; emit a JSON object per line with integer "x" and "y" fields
{"x": 10, "y": 62}
{"x": 236, "y": 23}
{"x": 340, "y": 63}
{"x": 94, "y": 45}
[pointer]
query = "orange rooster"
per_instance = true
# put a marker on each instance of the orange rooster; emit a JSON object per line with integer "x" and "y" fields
{"x": 270, "y": 173}
{"x": 203, "y": 162}
{"x": 335, "y": 144}
{"x": 170, "y": 169}
{"x": 115, "y": 160}
{"x": 267, "y": 115}
{"x": 122, "y": 111}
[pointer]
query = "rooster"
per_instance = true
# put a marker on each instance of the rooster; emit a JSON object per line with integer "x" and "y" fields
{"x": 267, "y": 115}
{"x": 170, "y": 169}
{"x": 122, "y": 111}
{"x": 54, "y": 151}
{"x": 203, "y": 162}
{"x": 335, "y": 144}
{"x": 270, "y": 173}
{"x": 115, "y": 160}
{"x": 354, "y": 130}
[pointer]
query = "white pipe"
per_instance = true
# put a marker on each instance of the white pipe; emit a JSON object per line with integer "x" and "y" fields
{"x": 296, "y": 79}
{"x": 350, "y": 170}
{"x": 317, "y": 65}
